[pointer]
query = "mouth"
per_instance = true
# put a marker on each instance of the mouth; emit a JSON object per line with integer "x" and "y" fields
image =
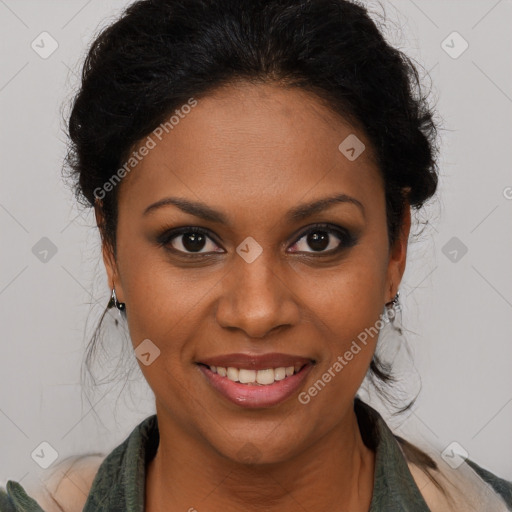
{"x": 251, "y": 377}
{"x": 251, "y": 387}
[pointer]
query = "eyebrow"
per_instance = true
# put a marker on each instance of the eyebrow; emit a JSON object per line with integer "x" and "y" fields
{"x": 300, "y": 212}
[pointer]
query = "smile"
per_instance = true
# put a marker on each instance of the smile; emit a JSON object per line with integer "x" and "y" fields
{"x": 256, "y": 388}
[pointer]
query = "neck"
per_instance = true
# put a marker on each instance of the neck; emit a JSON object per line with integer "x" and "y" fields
{"x": 186, "y": 474}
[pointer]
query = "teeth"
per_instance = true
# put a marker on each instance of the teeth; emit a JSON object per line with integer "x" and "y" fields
{"x": 247, "y": 376}
{"x": 232, "y": 374}
{"x": 265, "y": 376}
{"x": 256, "y": 377}
{"x": 279, "y": 373}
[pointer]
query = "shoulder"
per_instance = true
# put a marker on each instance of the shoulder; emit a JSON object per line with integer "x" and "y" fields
{"x": 68, "y": 485}
{"x": 467, "y": 487}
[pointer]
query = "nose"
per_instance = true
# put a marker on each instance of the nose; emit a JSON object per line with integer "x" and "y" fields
{"x": 256, "y": 298}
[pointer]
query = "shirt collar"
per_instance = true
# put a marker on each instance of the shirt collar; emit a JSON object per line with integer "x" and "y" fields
{"x": 394, "y": 488}
{"x": 119, "y": 484}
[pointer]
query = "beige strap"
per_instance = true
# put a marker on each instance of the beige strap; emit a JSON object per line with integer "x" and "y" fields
{"x": 67, "y": 487}
{"x": 467, "y": 492}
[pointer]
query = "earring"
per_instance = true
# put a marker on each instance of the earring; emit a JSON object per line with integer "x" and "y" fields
{"x": 394, "y": 302}
{"x": 113, "y": 302}
{"x": 393, "y": 306}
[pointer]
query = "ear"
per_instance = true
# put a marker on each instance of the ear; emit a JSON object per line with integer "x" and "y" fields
{"x": 398, "y": 255}
{"x": 107, "y": 253}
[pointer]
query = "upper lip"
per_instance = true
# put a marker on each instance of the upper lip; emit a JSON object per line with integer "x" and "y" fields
{"x": 257, "y": 361}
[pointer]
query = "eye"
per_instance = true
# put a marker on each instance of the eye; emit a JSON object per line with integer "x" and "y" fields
{"x": 320, "y": 238}
{"x": 187, "y": 240}
{"x": 193, "y": 240}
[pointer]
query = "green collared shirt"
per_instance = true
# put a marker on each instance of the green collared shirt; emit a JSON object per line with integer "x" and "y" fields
{"x": 119, "y": 484}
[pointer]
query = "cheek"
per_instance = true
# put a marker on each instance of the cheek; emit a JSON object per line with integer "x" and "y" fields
{"x": 160, "y": 301}
{"x": 347, "y": 316}
{"x": 347, "y": 304}
{"x": 351, "y": 292}
{"x": 166, "y": 304}
{"x": 153, "y": 291}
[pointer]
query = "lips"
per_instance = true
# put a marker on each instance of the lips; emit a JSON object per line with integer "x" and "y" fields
{"x": 257, "y": 361}
{"x": 256, "y": 396}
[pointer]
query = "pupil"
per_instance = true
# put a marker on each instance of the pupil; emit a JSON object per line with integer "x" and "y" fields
{"x": 318, "y": 242}
{"x": 193, "y": 241}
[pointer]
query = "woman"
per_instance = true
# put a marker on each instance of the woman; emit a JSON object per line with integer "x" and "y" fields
{"x": 253, "y": 165}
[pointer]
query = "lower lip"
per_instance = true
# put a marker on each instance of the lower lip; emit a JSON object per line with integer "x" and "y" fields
{"x": 247, "y": 395}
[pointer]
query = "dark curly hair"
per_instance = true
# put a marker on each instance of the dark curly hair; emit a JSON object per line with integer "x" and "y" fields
{"x": 160, "y": 53}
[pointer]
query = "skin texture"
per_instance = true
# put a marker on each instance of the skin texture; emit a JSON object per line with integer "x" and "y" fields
{"x": 254, "y": 152}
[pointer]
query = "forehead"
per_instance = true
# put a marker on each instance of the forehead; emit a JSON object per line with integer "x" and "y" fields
{"x": 251, "y": 141}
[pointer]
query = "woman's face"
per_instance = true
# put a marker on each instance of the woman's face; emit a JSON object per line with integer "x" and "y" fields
{"x": 256, "y": 283}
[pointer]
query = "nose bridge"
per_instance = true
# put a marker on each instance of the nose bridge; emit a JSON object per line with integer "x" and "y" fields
{"x": 258, "y": 279}
{"x": 255, "y": 298}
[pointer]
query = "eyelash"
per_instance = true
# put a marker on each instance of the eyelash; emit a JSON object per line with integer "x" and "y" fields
{"x": 347, "y": 240}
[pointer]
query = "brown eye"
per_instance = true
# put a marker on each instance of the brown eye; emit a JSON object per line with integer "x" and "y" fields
{"x": 324, "y": 239}
{"x": 188, "y": 240}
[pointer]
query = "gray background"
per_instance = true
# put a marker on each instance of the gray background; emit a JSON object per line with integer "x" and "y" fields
{"x": 457, "y": 308}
